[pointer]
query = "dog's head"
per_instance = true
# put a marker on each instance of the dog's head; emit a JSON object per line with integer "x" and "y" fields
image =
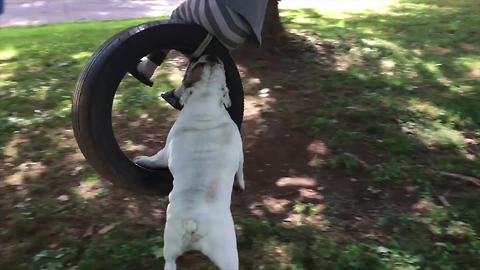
{"x": 206, "y": 76}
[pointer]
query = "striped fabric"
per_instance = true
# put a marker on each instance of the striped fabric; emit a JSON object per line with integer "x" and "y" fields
{"x": 253, "y": 11}
{"x": 219, "y": 20}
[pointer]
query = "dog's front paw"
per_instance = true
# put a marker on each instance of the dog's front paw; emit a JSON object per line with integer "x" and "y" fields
{"x": 242, "y": 186}
{"x": 239, "y": 183}
{"x": 238, "y": 186}
{"x": 145, "y": 162}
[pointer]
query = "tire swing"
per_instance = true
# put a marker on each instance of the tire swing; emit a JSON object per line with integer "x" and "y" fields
{"x": 99, "y": 80}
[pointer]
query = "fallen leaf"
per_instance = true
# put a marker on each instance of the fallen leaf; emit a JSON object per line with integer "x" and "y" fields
{"x": 63, "y": 198}
{"x": 106, "y": 229}
{"x": 88, "y": 232}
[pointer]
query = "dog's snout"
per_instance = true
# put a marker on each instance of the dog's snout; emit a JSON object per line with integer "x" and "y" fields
{"x": 208, "y": 59}
{"x": 212, "y": 59}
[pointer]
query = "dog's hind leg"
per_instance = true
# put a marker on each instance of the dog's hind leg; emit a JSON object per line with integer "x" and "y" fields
{"x": 157, "y": 161}
{"x": 225, "y": 259}
{"x": 170, "y": 266}
{"x": 172, "y": 247}
{"x": 221, "y": 247}
{"x": 171, "y": 252}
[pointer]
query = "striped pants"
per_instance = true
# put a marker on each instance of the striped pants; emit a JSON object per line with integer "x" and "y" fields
{"x": 226, "y": 25}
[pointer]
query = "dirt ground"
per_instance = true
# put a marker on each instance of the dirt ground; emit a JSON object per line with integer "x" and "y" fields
{"x": 282, "y": 155}
{"x": 349, "y": 129}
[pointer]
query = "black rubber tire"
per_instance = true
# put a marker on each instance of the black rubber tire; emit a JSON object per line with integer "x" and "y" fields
{"x": 96, "y": 87}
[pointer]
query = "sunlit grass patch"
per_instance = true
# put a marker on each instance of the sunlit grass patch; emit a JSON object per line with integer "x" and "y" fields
{"x": 427, "y": 109}
{"x": 438, "y": 134}
{"x": 8, "y": 54}
{"x": 346, "y": 8}
{"x": 81, "y": 55}
{"x": 472, "y": 64}
{"x": 90, "y": 188}
{"x": 436, "y": 126}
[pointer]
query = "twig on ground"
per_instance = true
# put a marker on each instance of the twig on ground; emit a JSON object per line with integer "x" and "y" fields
{"x": 364, "y": 164}
{"x": 443, "y": 200}
{"x": 470, "y": 179}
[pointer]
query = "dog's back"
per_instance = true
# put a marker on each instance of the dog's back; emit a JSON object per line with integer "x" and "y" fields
{"x": 210, "y": 152}
{"x": 204, "y": 151}
{"x": 199, "y": 211}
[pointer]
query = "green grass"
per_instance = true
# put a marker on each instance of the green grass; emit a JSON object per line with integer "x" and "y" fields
{"x": 398, "y": 90}
{"x": 39, "y": 67}
{"x": 405, "y": 82}
{"x": 402, "y": 94}
{"x": 270, "y": 246}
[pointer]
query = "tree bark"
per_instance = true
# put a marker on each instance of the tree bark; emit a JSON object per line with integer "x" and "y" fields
{"x": 272, "y": 27}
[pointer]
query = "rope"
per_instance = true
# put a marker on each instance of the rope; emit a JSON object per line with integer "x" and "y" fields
{"x": 201, "y": 48}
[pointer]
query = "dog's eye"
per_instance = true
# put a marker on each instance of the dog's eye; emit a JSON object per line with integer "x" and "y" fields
{"x": 194, "y": 74}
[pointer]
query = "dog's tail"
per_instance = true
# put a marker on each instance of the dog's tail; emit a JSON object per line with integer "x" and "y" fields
{"x": 190, "y": 225}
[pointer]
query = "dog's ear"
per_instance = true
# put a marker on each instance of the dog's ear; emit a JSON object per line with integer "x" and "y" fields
{"x": 193, "y": 74}
{"x": 226, "y": 97}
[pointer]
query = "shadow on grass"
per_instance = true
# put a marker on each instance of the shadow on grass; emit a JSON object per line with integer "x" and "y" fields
{"x": 399, "y": 91}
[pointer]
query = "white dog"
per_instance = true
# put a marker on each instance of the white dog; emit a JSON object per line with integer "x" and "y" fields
{"x": 204, "y": 153}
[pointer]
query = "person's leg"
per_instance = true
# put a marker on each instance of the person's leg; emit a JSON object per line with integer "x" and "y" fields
{"x": 227, "y": 26}
{"x": 144, "y": 70}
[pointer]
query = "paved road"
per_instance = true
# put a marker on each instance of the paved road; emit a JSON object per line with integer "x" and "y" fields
{"x": 28, "y": 12}
{"x": 31, "y": 12}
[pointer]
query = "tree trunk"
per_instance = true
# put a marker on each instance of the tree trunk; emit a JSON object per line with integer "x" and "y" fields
{"x": 272, "y": 27}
